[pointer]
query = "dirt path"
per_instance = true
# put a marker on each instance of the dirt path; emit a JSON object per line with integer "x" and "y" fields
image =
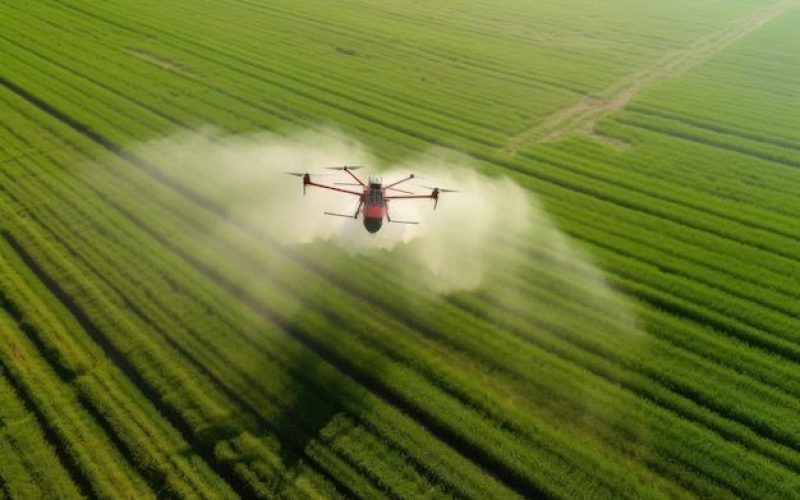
{"x": 583, "y": 115}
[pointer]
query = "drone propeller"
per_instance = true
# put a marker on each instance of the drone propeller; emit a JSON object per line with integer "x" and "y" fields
{"x": 436, "y": 191}
{"x": 302, "y": 174}
{"x": 441, "y": 190}
{"x": 400, "y": 190}
{"x": 345, "y": 167}
{"x": 306, "y": 178}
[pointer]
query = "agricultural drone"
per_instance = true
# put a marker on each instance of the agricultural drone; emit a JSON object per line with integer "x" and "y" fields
{"x": 373, "y": 200}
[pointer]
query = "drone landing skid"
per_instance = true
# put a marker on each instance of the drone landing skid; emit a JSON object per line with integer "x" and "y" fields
{"x": 349, "y": 216}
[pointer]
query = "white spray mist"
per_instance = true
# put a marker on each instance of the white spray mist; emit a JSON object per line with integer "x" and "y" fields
{"x": 247, "y": 176}
{"x": 472, "y": 234}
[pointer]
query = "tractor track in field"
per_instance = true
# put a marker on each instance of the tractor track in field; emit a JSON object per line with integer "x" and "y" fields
{"x": 584, "y": 114}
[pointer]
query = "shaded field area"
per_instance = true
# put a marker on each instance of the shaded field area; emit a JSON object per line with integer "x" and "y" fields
{"x": 637, "y": 335}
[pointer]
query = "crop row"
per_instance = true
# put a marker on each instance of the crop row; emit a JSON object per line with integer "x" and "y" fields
{"x": 568, "y": 171}
{"x": 184, "y": 396}
{"x": 29, "y": 467}
{"x": 748, "y": 147}
{"x": 407, "y": 361}
{"x": 95, "y": 121}
{"x": 771, "y": 312}
{"x": 132, "y": 423}
{"x": 184, "y": 103}
{"x": 684, "y": 237}
{"x": 764, "y": 105}
{"x": 671, "y": 361}
{"x": 207, "y": 362}
{"x": 453, "y": 390}
{"x": 469, "y": 65}
{"x": 724, "y": 316}
{"x": 206, "y": 417}
{"x": 283, "y": 85}
{"x": 121, "y": 421}
{"x": 701, "y": 119}
{"x": 597, "y": 231}
{"x": 97, "y": 466}
{"x": 670, "y": 365}
{"x": 694, "y": 166}
{"x": 623, "y": 171}
{"x": 254, "y": 48}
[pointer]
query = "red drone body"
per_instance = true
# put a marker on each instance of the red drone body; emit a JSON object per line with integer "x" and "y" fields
{"x": 373, "y": 199}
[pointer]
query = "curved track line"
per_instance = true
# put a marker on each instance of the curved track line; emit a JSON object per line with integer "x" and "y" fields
{"x": 582, "y": 116}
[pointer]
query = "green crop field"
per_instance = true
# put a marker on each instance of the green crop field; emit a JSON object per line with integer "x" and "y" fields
{"x": 629, "y": 329}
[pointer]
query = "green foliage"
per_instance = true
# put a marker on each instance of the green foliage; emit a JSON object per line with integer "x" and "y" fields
{"x": 140, "y": 357}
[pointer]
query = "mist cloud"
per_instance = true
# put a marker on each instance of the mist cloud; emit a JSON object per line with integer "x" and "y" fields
{"x": 487, "y": 227}
{"x": 247, "y": 175}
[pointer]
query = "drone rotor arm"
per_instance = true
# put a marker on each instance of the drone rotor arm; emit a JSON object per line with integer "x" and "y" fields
{"x": 411, "y": 176}
{"x": 349, "y": 171}
{"x": 410, "y": 196}
{"x": 354, "y": 176}
{"x": 332, "y": 188}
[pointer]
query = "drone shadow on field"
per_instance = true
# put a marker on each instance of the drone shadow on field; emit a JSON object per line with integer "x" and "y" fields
{"x": 320, "y": 401}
